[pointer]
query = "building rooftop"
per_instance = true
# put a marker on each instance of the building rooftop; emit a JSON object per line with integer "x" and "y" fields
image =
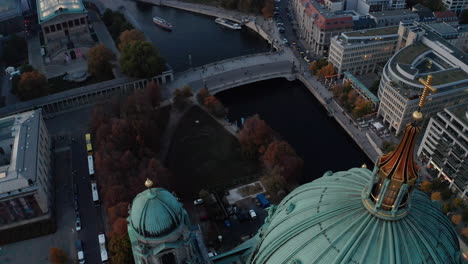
{"x": 442, "y": 28}
{"x": 9, "y": 9}
{"x": 373, "y": 32}
{"x": 327, "y": 19}
{"x": 385, "y": 13}
{"x": 460, "y": 112}
{"x": 48, "y": 9}
{"x": 19, "y": 136}
{"x": 445, "y": 14}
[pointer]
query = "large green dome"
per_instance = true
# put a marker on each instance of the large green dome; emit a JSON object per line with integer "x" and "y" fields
{"x": 325, "y": 221}
{"x": 156, "y": 213}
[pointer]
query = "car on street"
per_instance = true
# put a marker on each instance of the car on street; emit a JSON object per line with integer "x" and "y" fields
{"x": 78, "y": 223}
{"x": 293, "y": 43}
{"x": 198, "y": 201}
{"x": 252, "y": 213}
{"x": 306, "y": 59}
{"x": 79, "y": 250}
{"x": 212, "y": 254}
{"x": 75, "y": 205}
{"x": 227, "y": 223}
{"x": 75, "y": 191}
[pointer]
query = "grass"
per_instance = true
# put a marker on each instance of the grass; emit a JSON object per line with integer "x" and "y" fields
{"x": 57, "y": 84}
{"x": 204, "y": 155}
{"x": 408, "y": 54}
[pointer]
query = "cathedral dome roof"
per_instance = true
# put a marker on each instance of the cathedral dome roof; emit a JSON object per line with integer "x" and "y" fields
{"x": 156, "y": 213}
{"x": 325, "y": 221}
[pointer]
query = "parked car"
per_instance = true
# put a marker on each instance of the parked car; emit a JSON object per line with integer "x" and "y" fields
{"x": 293, "y": 43}
{"x": 198, "y": 201}
{"x": 75, "y": 191}
{"x": 252, "y": 213}
{"x": 75, "y": 205}
{"x": 78, "y": 223}
{"x": 306, "y": 59}
{"x": 212, "y": 254}
{"x": 79, "y": 250}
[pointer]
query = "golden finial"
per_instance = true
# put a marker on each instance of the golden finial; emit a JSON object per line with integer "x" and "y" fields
{"x": 364, "y": 166}
{"x": 148, "y": 183}
{"x": 417, "y": 115}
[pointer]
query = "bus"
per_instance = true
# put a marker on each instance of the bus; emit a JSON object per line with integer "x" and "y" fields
{"x": 89, "y": 146}
{"x": 94, "y": 191}
{"x": 102, "y": 246}
{"x": 91, "y": 166}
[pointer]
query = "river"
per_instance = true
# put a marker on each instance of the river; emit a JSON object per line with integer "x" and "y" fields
{"x": 292, "y": 111}
{"x": 288, "y": 107}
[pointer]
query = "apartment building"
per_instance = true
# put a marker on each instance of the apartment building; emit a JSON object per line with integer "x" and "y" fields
{"x": 444, "y": 147}
{"x": 359, "y": 52}
{"x": 456, "y": 5}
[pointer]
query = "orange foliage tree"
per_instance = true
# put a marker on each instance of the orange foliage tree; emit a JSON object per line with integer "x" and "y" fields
{"x": 57, "y": 256}
{"x": 268, "y": 8}
{"x": 255, "y": 136}
{"x": 328, "y": 70}
{"x": 215, "y": 106}
{"x": 436, "y": 196}
{"x": 119, "y": 227}
{"x": 99, "y": 61}
{"x": 129, "y": 36}
{"x": 32, "y": 85}
{"x": 280, "y": 154}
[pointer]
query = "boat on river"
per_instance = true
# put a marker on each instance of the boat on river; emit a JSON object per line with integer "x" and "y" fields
{"x": 228, "y": 23}
{"x": 162, "y": 23}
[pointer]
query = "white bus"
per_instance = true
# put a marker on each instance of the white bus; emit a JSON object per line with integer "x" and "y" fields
{"x": 102, "y": 246}
{"x": 95, "y": 193}
{"x": 91, "y": 166}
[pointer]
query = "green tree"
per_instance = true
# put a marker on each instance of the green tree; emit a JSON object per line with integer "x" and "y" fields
{"x": 436, "y": 184}
{"x": 447, "y": 207}
{"x": 141, "y": 59}
{"x": 99, "y": 61}
{"x": 32, "y": 85}
{"x": 446, "y": 194}
{"x": 434, "y": 5}
{"x": 116, "y": 23}
{"x": 465, "y": 215}
{"x": 120, "y": 250}
{"x": 57, "y": 256}
{"x": 273, "y": 181}
{"x": 128, "y": 36}
{"x": 459, "y": 203}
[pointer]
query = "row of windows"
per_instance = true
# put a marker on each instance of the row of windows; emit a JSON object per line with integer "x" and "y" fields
{"x": 64, "y": 25}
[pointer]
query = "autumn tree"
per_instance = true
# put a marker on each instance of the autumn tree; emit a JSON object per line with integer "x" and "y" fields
{"x": 99, "y": 61}
{"x": 273, "y": 181}
{"x": 214, "y": 106}
{"x": 362, "y": 107}
{"x": 280, "y": 154}
{"x": 328, "y": 70}
{"x": 141, "y": 59}
{"x": 115, "y": 194}
{"x": 459, "y": 203}
{"x": 32, "y": 85}
{"x": 255, "y": 136}
{"x": 119, "y": 227}
{"x": 337, "y": 90}
{"x": 268, "y": 8}
{"x": 57, "y": 256}
{"x": 426, "y": 186}
{"x": 120, "y": 250}
{"x": 313, "y": 67}
{"x": 117, "y": 211}
{"x": 181, "y": 97}
{"x": 129, "y": 36}
{"x": 465, "y": 232}
{"x": 202, "y": 94}
{"x": 456, "y": 219}
{"x": 436, "y": 196}
{"x": 447, "y": 207}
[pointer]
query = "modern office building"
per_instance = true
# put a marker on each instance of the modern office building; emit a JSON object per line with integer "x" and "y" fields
{"x": 317, "y": 24}
{"x": 455, "y": 35}
{"x": 64, "y": 25}
{"x": 420, "y": 54}
{"x": 26, "y": 192}
{"x": 359, "y": 52}
{"x": 445, "y": 146}
{"x": 456, "y": 5}
{"x": 393, "y": 17}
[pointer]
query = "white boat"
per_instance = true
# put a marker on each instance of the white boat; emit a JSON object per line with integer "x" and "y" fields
{"x": 228, "y": 23}
{"x": 162, "y": 23}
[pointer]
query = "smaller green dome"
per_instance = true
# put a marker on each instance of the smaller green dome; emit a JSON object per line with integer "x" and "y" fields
{"x": 156, "y": 213}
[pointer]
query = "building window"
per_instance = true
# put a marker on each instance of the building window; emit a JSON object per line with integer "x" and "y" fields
{"x": 46, "y": 30}
{"x": 64, "y": 25}
{"x": 52, "y": 28}
{"x": 70, "y": 24}
{"x": 82, "y": 20}
{"x": 77, "y": 22}
{"x": 59, "y": 27}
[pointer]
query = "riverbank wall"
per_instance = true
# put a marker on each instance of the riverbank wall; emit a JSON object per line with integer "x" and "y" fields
{"x": 219, "y": 12}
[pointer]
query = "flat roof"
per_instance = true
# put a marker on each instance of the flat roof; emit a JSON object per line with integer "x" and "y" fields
{"x": 399, "y": 12}
{"x": 373, "y": 32}
{"x": 408, "y": 54}
{"x": 460, "y": 112}
{"x": 442, "y": 28}
{"x": 48, "y": 9}
{"x": 19, "y": 136}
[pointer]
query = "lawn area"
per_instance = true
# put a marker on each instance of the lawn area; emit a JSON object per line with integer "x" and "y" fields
{"x": 204, "y": 155}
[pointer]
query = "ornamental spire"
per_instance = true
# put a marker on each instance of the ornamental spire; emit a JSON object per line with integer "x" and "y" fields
{"x": 396, "y": 171}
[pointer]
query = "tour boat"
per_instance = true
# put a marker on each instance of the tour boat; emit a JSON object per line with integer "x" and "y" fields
{"x": 162, "y": 23}
{"x": 228, "y": 23}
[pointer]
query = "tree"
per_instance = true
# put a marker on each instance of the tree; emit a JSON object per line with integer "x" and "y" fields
{"x": 141, "y": 59}
{"x": 215, "y": 106}
{"x": 268, "y": 8}
{"x": 434, "y": 5}
{"x": 436, "y": 184}
{"x": 465, "y": 232}
{"x": 337, "y": 90}
{"x": 426, "y": 186}
{"x": 120, "y": 249}
{"x": 32, "y": 85}
{"x": 255, "y": 136}
{"x": 459, "y": 203}
{"x": 119, "y": 227}
{"x": 447, "y": 207}
{"x": 456, "y": 219}
{"x": 186, "y": 91}
{"x": 465, "y": 214}
{"x": 326, "y": 71}
{"x": 464, "y": 17}
{"x": 436, "y": 196}
{"x": 362, "y": 107}
{"x": 202, "y": 94}
{"x": 280, "y": 154}
{"x": 129, "y": 36}
{"x": 115, "y": 194}
{"x": 180, "y": 99}
{"x": 99, "y": 61}
{"x": 388, "y": 146}
{"x": 446, "y": 194}
{"x": 273, "y": 181}
{"x": 57, "y": 256}
{"x": 313, "y": 67}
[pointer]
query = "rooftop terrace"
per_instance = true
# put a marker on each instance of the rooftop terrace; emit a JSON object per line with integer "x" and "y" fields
{"x": 373, "y": 32}
{"x": 48, "y": 9}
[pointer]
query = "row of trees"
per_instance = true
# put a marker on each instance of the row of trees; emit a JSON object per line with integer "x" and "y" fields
{"x": 211, "y": 103}
{"x": 322, "y": 68}
{"x": 127, "y": 140}
{"x": 281, "y": 163}
{"x": 352, "y": 102}
{"x": 115, "y": 23}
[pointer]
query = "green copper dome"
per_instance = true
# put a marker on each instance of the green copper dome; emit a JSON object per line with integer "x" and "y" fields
{"x": 156, "y": 213}
{"x": 325, "y": 221}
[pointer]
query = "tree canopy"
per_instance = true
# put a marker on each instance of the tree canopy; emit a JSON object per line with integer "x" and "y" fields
{"x": 32, "y": 85}
{"x": 99, "y": 61}
{"x": 141, "y": 59}
{"x": 57, "y": 256}
{"x": 128, "y": 36}
{"x": 120, "y": 249}
{"x": 255, "y": 136}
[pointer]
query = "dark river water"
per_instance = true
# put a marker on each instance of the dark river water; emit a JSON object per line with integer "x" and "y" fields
{"x": 288, "y": 107}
